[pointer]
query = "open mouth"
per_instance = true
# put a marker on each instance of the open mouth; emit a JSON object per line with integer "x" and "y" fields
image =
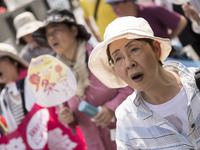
{"x": 136, "y": 77}
{"x": 55, "y": 44}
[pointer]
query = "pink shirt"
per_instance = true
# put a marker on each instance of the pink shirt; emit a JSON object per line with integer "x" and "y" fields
{"x": 97, "y": 94}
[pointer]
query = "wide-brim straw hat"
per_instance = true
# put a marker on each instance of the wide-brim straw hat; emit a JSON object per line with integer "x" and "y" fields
{"x": 25, "y": 23}
{"x": 124, "y": 27}
{"x": 62, "y": 16}
{"x": 10, "y": 51}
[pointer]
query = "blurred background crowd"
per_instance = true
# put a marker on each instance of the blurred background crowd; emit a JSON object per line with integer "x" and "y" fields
{"x": 169, "y": 19}
{"x": 84, "y": 10}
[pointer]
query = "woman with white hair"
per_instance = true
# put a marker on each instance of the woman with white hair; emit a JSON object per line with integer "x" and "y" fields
{"x": 163, "y": 112}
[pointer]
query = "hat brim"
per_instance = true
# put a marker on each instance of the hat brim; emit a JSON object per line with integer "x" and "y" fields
{"x": 27, "y": 29}
{"x": 98, "y": 60}
{"x": 47, "y": 22}
{"x": 15, "y": 57}
{"x": 83, "y": 34}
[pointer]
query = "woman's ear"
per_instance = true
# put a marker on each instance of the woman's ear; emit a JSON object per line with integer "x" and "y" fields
{"x": 74, "y": 30}
{"x": 15, "y": 63}
{"x": 157, "y": 49}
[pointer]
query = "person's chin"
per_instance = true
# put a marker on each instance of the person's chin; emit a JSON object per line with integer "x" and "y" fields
{"x": 57, "y": 50}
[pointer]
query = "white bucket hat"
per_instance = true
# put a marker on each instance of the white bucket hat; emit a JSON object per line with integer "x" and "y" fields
{"x": 25, "y": 23}
{"x": 124, "y": 27}
{"x": 10, "y": 51}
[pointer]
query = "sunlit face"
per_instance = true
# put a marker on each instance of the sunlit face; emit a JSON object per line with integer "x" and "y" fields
{"x": 135, "y": 62}
{"x": 60, "y": 37}
{"x": 8, "y": 70}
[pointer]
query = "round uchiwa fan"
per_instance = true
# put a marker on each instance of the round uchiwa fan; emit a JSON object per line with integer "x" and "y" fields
{"x": 51, "y": 81}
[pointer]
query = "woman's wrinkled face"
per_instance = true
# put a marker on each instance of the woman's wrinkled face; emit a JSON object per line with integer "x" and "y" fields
{"x": 60, "y": 37}
{"x": 8, "y": 70}
{"x": 135, "y": 61}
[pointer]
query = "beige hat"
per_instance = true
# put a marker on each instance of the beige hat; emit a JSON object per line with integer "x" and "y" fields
{"x": 124, "y": 27}
{"x": 10, "y": 51}
{"x": 25, "y": 23}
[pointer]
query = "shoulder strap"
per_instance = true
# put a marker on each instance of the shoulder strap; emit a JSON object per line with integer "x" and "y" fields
{"x": 20, "y": 85}
{"x": 96, "y": 9}
{"x": 197, "y": 78}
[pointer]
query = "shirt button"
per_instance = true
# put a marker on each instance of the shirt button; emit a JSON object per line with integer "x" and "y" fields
{"x": 193, "y": 125}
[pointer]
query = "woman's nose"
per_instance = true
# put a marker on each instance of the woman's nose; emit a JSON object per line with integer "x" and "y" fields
{"x": 129, "y": 62}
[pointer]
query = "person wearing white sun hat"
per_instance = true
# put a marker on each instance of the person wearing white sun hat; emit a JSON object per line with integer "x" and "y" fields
{"x": 25, "y": 24}
{"x": 163, "y": 111}
{"x": 15, "y": 98}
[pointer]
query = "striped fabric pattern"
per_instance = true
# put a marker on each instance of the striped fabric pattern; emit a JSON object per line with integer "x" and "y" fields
{"x": 16, "y": 109}
{"x": 140, "y": 128}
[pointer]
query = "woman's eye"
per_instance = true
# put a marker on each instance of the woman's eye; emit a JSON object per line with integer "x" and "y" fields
{"x": 118, "y": 59}
{"x": 134, "y": 49}
{"x": 47, "y": 35}
{"x": 52, "y": 33}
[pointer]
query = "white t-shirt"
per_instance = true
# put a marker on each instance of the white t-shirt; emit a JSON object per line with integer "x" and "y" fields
{"x": 174, "y": 111}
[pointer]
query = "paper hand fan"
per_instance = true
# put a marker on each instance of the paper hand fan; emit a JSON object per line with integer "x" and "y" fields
{"x": 51, "y": 81}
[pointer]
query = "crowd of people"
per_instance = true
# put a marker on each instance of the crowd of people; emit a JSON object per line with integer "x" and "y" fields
{"x": 146, "y": 102}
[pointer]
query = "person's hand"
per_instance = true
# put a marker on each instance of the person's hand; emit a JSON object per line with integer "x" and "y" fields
{"x": 104, "y": 117}
{"x": 190, "y": 11}
{"x": 65, "y": 115}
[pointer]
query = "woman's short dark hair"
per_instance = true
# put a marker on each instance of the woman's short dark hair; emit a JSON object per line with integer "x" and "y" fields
{"x": 82, "y": 32}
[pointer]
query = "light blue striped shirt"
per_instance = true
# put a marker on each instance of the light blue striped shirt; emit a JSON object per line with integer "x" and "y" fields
{"x": 140, "y": 128}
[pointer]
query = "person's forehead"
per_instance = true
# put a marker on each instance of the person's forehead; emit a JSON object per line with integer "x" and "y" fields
{"x": 120, "y": 44}
{"x": 4, "y": 58}
{"x": 125, "y": 42}
{"x": 55, "y": 25}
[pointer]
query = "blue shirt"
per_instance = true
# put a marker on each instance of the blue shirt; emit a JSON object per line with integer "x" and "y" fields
{"x": 140, "y": 128}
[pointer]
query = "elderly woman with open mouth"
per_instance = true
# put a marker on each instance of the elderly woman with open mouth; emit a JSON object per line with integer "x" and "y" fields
{"x": 70, "y": 41}
{"x": 163, "y": 111}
